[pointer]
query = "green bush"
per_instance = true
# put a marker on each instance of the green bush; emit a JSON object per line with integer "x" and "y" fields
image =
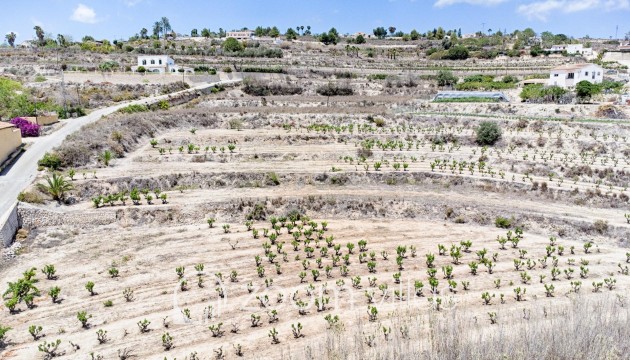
{"x": 50, "y": 161}
{"x": 502, "y": 222}
{"x": 377, "y": 77}
{"x": 133, "y": 108}
{"x": 232, "y": 45}
{"x": 488, "y": 133}
{"x": 334, "y": 90}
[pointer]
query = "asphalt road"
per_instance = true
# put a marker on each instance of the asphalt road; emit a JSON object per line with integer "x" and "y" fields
{"x": 24, "y": 170}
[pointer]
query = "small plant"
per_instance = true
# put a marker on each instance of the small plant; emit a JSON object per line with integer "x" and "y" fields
{"x": 35, "y": 331}
{"x": 128, "y": 295}
{"x": 167, "y": 341}
{"x": 216, "y": 330}
{"x": 54, "y": 293}
{"x": 372, "y": 313}
{"x": 50, "y": 348}
{"x": 210, "y": 222}
{"x": 549, "y": 290}
{"x": 180, "y": 271}
{"x": 143, "y": 326}
{"x": 297, "y": 330}
{"x": 273, "y": 334}
{"x": 49, "y": 270}
{"x": 89, "y": 286}
{"x": 84, "y": 319}
{"x": 101, "y": 336}
{"x": 113, "y": 272}
{"x": 520, "y": 293}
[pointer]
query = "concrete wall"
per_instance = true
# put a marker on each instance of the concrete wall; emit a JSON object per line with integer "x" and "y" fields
{"x": 10, "y": 226}
{"x": 10, "y": 140}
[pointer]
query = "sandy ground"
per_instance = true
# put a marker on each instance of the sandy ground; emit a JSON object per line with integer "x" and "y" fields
{"x": 147, "y": 255}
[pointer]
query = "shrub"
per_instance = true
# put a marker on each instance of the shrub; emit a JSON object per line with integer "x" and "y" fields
{"x": 488, "y": 133}
{"x": 51, "y": 161}
{"x": 133, "y": 108}
{"x": 335, "y": 90}
{"x": 30, "y": 197}
{"x": 27, "y": 128}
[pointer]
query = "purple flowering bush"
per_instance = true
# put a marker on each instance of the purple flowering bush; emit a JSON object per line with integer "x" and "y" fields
{"x": 26, "y": 127}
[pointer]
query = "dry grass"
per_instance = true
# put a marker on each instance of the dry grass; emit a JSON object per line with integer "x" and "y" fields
{"x": 582, "y": 328}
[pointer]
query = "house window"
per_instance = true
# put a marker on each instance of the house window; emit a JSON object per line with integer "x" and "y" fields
{"x": 555, "y": 75}
{"x": 571, "y": 76}
{"x": 144, "y": 62}
{"x": 152, "y": 62}
{"x": 586, "y": 73}
{"x": 161, "y": 64}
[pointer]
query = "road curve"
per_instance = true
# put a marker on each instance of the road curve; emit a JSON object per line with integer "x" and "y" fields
{"x": 24, "y": 170}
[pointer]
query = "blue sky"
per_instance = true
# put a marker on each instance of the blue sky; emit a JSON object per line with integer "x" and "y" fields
{"x": 114, "y": 19}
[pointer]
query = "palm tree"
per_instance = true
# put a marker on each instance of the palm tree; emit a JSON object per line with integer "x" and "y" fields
{"x": 56, "y": 186}
{"x": 166, "y": 26}
{"x": 11, "y": 38}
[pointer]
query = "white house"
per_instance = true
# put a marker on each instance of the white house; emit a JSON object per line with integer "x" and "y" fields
{"x": 568, "y": 76}
{"x": 159, "y": 64}
{"x": 572, "y": 49}
{"x": 240, "y": 35}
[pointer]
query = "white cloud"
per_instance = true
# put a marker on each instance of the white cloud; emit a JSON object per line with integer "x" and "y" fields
{"x": 540, "y": 10}
{"x": 443, "y": 3}
{"x": 84, "y": 14}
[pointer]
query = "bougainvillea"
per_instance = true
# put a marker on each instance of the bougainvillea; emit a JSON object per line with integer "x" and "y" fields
{"x": 26, "y": 127}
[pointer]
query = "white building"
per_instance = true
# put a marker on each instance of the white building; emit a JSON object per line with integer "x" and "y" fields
{"x": 572, "y": 49}
{"x": 159, "y": 64}
{"x": 567, "y": 76}
{"x": 240, "y": 35}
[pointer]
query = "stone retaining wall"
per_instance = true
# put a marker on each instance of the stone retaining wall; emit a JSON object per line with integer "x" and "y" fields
{"x": 33, "y": 217}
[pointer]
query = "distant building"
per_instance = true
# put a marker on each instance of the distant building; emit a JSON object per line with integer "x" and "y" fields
{"x": 240, "y": 35}
{"x": 10, "y": 140}
{"x": 567, "y": 76}
{"x": 572, "y": 49}
{"x": 159, "y": 64}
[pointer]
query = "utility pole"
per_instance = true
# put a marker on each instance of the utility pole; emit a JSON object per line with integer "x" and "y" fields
{"x": 483, "y": 28}
{"x": 617, "y": 33}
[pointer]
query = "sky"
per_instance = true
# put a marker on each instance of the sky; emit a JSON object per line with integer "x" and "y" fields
{"x": 119, "y": 19}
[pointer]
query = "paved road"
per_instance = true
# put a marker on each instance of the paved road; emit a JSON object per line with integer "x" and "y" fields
{"x": 24, "y": 170}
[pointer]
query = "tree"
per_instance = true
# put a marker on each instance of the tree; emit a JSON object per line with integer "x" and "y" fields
{"x": 584, "y": 89}
{"x": 274, "y": 32}
{"x": 144, "y": 33}
{"x": 291, "y": 34}
{"x": 157, "y": 29}
{"x": 11, "y": 38}
{"x": 194, "y": 33}
{"x": 488, "y": 133}
{"x": 380, "y": 32}
{"x": 56, "y": 186}
{"x": 359, "y": 39}
{"x": 205, "y": 33}
{"x": 414, "y": 35}
{"x": 165, "y": 25}
{"x": 232, "y": 45}
{"x": 457, "y": 52}
{"x": 331, "y": 37}
{"x": 62, "y": 41}
{"x": 392, "y": 30}
{"x": 446, "y": 78}
{"x": 39, "y": 32}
